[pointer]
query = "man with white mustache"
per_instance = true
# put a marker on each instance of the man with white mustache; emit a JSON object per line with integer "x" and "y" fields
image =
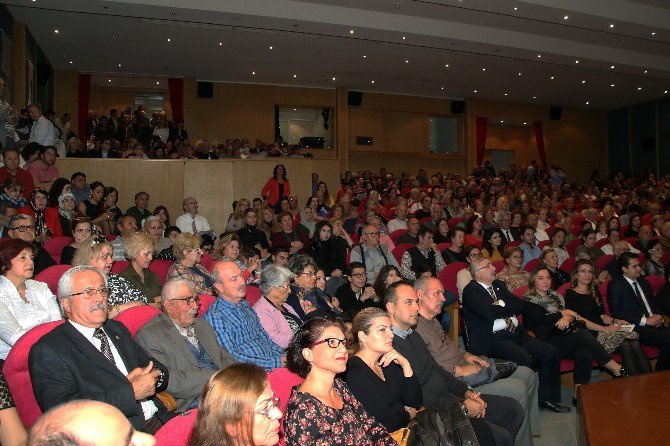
{"x": 183, "y": 342}
{"x": 93, "y": 357}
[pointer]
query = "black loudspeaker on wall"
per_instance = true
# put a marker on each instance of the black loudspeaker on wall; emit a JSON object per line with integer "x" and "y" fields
{"x": 355, "y": 98}
{"x": 43, "y": 73}
{"x": 555, "y": 113}
{"x": 457, "y": 107}
{"x": 205, "y": 90}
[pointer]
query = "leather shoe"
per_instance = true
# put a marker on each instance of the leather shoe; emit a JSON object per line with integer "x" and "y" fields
{"x": 622, "y": 373}
{"x": 554, "y": 407}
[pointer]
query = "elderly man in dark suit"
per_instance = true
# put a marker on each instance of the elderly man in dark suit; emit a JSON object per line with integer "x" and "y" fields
{"x": 93, "y": 357}
{"x": 631, "y": 298}
{"x": 489, "y": 312}
{"x": 184, "y": 343}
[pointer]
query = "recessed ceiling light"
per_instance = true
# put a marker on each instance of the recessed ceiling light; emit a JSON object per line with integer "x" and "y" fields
{"x": 158, "y": 83}
{"x": 534, "y": 97}
{"x": 583, "y": 82}
{"x": 365, "y": 57}
{"x": 577, "y": 61}
{"x": 475, "y": 91}
{"x": 501, "y": 121}
{"x": 333, "y": 78}
{"x": 446, "y": 66}
{"x": 295, "y": 109}
{"x": 119, "y": 65}
{"x": 525, "y": 123}
{"x": 236, "y": 19}
{"x": 351, "y": 31}
{"x": 552, "y": 78}
{"x": 612, "y": 67}
{"x": 406, "y": 61}
{"x": 611, "y": 25}
{"x": 483, "y": 69}
{"x": 587, "y": 102}
{"x": 113, "y": 36}
{"x": 442, "y": 88}
{"x": 639, "y": 88}
{"x": 403, "y": 37}
{"x": 539, "y": 56}
{"x": 665, "y": 92}
{"x": 611, "y": 85}
{"x": 653, "y": 33}
{"x": 372, "y": 82}
{"x": 565, "y": 17}
{"x": 505, "y": 94}
{"x": 253, "y": 73}
{"x": 220, "y": 43}
{"x": 70, "y": 61}
{"x": 645, "y": 71}
{"x": 169, "y": 39}
{"x": 56, "y": 31}
{"x": 109, "y": 80}
{"x": 519, "y": 73}
{"x": 516, "y": 8}
{"x": 295, "y": 75}
{"x": 270, "y": 46}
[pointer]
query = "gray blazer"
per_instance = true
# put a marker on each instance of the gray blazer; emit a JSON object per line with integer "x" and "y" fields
{"x": 160, "y": 338}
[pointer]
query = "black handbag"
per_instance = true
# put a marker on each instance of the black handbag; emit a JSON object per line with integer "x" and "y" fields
{"x": 446, "y": 425}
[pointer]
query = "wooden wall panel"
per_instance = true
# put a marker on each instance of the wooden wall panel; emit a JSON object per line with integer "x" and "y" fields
{"x": 363, "y": 122}
{"x": 215, "y": 184}
{"x": 104, "y": 99}
{"x": 66, "y": 91}
{"x": 408, "y": 132}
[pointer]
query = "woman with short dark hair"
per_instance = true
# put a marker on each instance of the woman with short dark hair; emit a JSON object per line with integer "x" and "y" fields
{"x": 322, "y": 409}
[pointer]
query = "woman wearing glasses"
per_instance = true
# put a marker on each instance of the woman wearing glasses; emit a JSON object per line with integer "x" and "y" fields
{"x": 512, "y": 274}
{"x": 305, "y": 297}
{"x": 322, "y": 410}
{"x": 24, "y": 303}
{"x": 279, "y": 320}
{"x": 464, "y": 276}
{"x": 584, "y": 298}
{"x": 186, "y": 249}
{"x": 139, "y": 250}
{"x": 98, "y": 252}
{"x": 81, "y": 233}
{"x": 237, "y": 408}
{"x": 378, "y": 376}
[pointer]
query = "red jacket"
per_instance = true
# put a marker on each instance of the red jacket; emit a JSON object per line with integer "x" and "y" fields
{"x": 271, "y": 190}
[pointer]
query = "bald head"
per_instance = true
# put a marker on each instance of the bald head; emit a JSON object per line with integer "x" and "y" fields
{"x": 229, "y": 281}
{"x": 85, "y": 423}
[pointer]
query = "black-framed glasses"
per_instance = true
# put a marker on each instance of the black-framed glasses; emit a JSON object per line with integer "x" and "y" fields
{"x": 359, "y": 275}
{"x": 332, "y": 342}
{"x": 190, "y": 299}
{"x": 88, "y": 293}
{"x": 23, "y": 228}
{"x": 267, "y": 410}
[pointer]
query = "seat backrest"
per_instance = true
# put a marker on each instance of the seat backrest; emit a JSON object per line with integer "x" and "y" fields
{"x": 119, "y": 265}
{"x": 206, "y": 301}
{"x": 395, "y": 234}
{"x": 207, "y": 260}
{"x": 602, "y": 242}
{"x": 161, "y": 268}
{"x": 512, "y": 243}
{"x": 400, "y": 249}
{"x": 532, "y": 264}
{"x": 176, "y": 431}
{"x": 568, "y": 265}
{"x": 520, "y": 291}
{"x": 443, "y": 246}
{"x": 603, "y": 292}
{"x": 51, "y": 276}
{"x": 134, "y": 318}
{"x": 282, "y": 381}
{"x": 572, "y": 246}
{"x": 448, "y": 276}
{"x": 253, "y": 294}
{"x": 656, "y": 283}
{"x": 563, "y": 288}
{"x": 604, "y": 260}
{"x": 499, "y": 264}
{"x": 55, "y": 246}
{"x": 454, "y": 221}
{"x": 543, "y": 243}
{"x": 16, "y": 372}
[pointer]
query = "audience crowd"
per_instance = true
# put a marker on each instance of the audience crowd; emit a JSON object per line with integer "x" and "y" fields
{"x": 350, "y": 292}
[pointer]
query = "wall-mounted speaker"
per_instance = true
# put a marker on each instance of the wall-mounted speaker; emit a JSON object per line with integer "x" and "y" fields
{"x": 205, "y": 90}
{"x": 555, "y": 113}
{"x": 457, "y": 107}
{"x": 355, "y": 98}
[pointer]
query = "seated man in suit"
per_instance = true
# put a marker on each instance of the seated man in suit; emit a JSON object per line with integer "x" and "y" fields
{"x": 630, "y": 297}
{"x": 489, "y": 313}
{"x": 490, "y": 415}
{"x": 86, "y": 422}
{"x": 476, "y": 371}
{"x": 184, "y": 343}
{"x": 236, "y": 325}
{"x": 93, "y": 357}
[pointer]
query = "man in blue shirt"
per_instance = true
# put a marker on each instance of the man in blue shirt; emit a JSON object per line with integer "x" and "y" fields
{"x": 236, "y": 325}
{"x": 529, "y": 245}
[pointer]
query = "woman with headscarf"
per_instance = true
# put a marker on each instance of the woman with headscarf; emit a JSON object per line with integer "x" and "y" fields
{"x": 66, "y": 205}
{"x": 47, "y": 224}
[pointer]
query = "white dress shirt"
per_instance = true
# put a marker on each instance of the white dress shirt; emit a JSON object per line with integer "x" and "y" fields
{"x": 185, "y": 223}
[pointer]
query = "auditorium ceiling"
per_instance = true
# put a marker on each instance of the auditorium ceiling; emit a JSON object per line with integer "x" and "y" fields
{"x": 598, "y": 54}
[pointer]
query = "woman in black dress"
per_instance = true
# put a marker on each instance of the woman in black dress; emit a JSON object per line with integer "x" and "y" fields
{"x": 584, "y": 298}
{"x": 93, "y": 206}
{"x": 549, "y": 260}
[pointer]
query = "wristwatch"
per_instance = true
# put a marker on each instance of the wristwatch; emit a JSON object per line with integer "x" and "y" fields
{"x": 464, "y": 408}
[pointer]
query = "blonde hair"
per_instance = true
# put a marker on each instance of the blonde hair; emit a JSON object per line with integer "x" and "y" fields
{"x": 137, "y": 242}
{"x": 185, "y": 242}
{"x": 90, "y": 250}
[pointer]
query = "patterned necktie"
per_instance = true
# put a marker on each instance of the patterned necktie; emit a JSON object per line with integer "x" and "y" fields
{"x": 104, "y": 344}
{"x": 193, "y": 228}
{"x": 492, "y": 293}
{"x": 509, "y": 235}
{"x": 190, "y": 337}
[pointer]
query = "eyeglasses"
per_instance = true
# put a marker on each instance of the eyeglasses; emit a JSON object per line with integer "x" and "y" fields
{"x": 189, "y": 300}
{"x": 286, "y": 287}
{"x": 359, "y": 275}
{"x": 332, "y": 342}
{"x": 486, "y": 266}
{"x": 371, "y": 233}
{"x": 517, "y": 257}
{"x": 475, "y": 255}
{"x": 23, "y": 228}
{"x": 267, "y": 410}
{"x": 308, "y": 273}
{"x": 88, "y": 293}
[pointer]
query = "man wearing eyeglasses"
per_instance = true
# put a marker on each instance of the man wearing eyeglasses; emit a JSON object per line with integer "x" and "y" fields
{"x": 373, "y": 255}
{"x": 356, "y": 294}
{"x": 22, "y": 226}
{"x": 183, "y": 342}
{"x": 489, "y": 313}
{"x": 93, "y": 357}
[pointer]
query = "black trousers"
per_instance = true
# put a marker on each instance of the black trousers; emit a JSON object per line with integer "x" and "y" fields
{"x": 657, "y": 337}
{"x": 503, "y": 418}
{"x": 583, "y": 348}
{"x": 633, "y": 358}
{"x": 520, "y": 347}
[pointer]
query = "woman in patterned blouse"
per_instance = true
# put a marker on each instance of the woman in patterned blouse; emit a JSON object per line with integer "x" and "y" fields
{"x": 322, "y": 411}
{"x": 98, "y": 252}
{"x": 187, "y": 250}
{"x": 512, "y": 273}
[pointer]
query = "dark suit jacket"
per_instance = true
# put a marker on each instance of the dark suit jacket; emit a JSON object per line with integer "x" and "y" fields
{"x": 160, "y": 338}
{"x": 479, "y": 313}
{"x": 513, "y": 231}
{"x": 623, "y": 302}
{"x": 65, "y": 366}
